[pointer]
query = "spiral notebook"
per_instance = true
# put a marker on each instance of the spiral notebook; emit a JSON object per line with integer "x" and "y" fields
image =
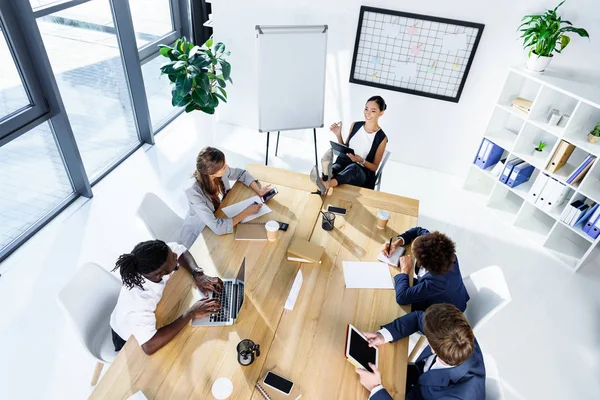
{"x": 272, "y": 394}
{"x": 251, "y": 231}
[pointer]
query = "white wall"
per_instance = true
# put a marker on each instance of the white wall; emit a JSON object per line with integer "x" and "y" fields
{"x": 422, "y": 131}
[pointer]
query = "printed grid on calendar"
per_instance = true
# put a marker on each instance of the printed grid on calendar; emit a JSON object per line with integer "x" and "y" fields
{"x": 416, "y": 54}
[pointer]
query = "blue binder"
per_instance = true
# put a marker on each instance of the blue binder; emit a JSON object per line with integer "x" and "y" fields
{"x": 520, "y": 174}
{"x": 508, "y": 169}
{"x": 489, "y": 154}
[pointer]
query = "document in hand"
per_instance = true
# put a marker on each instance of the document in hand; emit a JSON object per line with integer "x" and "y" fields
{"x": 394, "y": 258}
{"x": 367, "y": 275}
{"x": 234, "y": 209}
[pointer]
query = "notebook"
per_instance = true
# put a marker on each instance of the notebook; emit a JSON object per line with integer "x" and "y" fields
{"x": 305, "y": 252}
{"x": 269, "y": 393}
{"x": 251, "y": 231}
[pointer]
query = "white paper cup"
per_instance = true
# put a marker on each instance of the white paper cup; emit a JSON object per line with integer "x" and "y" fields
{"x": 272, "y": 228}
{"x": 383, "y": 217}
{"x": 222, "y": 389}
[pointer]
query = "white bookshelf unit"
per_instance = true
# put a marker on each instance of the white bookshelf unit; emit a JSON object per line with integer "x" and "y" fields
{"x": 517, "y": 133}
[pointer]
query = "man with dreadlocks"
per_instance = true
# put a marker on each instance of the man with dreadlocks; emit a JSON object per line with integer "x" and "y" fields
{"x": 145, "y": 271}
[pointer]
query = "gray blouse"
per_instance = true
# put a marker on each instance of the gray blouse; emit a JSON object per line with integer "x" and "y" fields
{"x": 202, "y": 210}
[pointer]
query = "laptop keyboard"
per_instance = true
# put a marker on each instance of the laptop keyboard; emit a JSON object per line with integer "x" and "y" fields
{"x": 224, "y": 297}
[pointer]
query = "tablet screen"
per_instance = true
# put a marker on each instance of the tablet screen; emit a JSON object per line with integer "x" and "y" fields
{"x": 360, "y": 350}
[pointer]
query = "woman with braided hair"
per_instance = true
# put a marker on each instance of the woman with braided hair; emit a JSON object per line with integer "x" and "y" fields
{"x": 437, "y": 275}
{"x": 144, "y": 272}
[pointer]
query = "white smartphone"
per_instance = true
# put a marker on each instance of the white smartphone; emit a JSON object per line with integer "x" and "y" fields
{"x": 278, "y": 383}
{"x": 270, "y": 195}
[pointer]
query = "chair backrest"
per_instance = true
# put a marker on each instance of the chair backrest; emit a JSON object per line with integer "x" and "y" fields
{"x": 379, "y": 171}
{"x": 88, "y": 299}
{"x": 493, "y": 384}
{"x": 162, "y": 222}
{"x": 489, "y": 294}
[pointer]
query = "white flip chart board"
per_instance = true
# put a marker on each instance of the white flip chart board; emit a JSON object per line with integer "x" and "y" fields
{"x": 291, "y": 76}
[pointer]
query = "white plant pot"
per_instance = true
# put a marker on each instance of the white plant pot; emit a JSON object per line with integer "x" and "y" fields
{"x": 538, "y": 63}
{"x": 538, "y": 155}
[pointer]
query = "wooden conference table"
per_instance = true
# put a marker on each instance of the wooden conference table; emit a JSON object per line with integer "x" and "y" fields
{"x": 306, "y": 344}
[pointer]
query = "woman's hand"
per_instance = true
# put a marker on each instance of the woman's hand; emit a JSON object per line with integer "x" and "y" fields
{"x": 252, "y": 209}
{"x": 262, "y": 191}
{"x": 355, "y": 158}
{"x": 336, "y": 129}
{"x": 385, "y": 248}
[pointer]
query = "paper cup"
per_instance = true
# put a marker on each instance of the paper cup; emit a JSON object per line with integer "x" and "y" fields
{"x": 382, "y": 218}
{"x": 272, "y": 228}
{"x": 222, "y": 389}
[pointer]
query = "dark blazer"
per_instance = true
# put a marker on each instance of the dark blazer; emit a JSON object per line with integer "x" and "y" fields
{"x": 431, "y": 289}
{"x": 465, "y": 381}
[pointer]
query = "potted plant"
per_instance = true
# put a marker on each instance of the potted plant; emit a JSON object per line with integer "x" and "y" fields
{"x": 197, "y": 74}
{"x": 594, "y": 134}
{"x": 538, "y": 151}
{"x": 545, "y": 34}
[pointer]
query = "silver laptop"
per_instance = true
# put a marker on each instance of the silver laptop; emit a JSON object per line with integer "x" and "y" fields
{"x": 231, "y": 298}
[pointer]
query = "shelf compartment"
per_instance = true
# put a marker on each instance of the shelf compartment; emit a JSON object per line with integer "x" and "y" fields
{"x": 518, "y": 85}
{"x": 567, "y": 245}
{"x": 579, "y": 228}
{"x": 503, "y": 128}
{"x": 547, "y": 100}
{"x": 576, "y": 158}
{"x": 523, "y": 189}
{"x": 590, "y": 186}
{"x": 505, "y": 202}
{"x": 480, "y": 183}
{"x": 535, "y": 223}
{"x": 583, "y": 121}
{"x": 529, "y": 138}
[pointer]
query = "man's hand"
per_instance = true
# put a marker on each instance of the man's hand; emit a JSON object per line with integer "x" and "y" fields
{"x": 375, "y": 339}
{"x": 355, "y": 158}
{"x": 406, "y": 264}
{"x": 208, "y": 283}
{"x": 385, "y": 248}
{"x": 370, "y": 380}
{"x": 204, "y": 308}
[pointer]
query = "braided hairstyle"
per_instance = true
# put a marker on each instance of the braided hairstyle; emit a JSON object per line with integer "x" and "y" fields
{"x": 146, "y": 257}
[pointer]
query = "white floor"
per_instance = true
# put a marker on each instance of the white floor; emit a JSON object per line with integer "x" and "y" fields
{"x": 545, "y": 342}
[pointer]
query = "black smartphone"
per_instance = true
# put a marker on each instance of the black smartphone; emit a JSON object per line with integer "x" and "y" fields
{"x": 278, "y": 383}
{"x": 283, "y": 226}
{"x": 337, "y": 210}
{"x": 270, "y": 194}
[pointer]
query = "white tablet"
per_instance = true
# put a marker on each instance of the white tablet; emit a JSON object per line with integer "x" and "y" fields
{"x": 358, "y": 351}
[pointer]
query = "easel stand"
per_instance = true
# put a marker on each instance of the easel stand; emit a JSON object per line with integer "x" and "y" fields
{"x": 277, "y": 148}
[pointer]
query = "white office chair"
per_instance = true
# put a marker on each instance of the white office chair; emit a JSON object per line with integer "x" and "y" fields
{"x": 489, "y": 294}
{"x": 493, "y": 384}
{"x": 162, "y": 222}
{"x": 88, "y": 300}
{"x": 379, "y": 171}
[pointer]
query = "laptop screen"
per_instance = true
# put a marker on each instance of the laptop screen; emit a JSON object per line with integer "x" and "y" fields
{"x": 241, "y": 276}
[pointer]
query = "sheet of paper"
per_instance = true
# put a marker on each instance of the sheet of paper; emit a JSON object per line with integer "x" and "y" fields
{"x": 234, "y": 209}
{"x": 139, "y": 395}
{"x": 294, "y": 292}
{"x": 391, "y": 29}
{"x": 367, "y": 275}
{"x": 454, "y": 42}
{"x": 406, "y": 70}
{"x": 394, "y": 259}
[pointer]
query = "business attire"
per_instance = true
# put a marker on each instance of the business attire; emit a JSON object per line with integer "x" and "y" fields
{"x": 364, "y": 144}
{"x": 134, "y": 312}
{"x": 202, "y": 211}
{"x": 435, "y": 380}
{"x": 429, "y": 288}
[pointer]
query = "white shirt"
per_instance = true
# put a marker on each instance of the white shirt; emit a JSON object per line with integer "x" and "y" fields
{"x": 362, "y": 142}
{"x": 134, "y": 312}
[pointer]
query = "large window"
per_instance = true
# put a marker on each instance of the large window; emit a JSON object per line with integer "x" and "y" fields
{"x": 80, "y": 89}
{"x": 83, "y": 50}
{"x": 12, "y": 93}
{"x": 33, "y": 182}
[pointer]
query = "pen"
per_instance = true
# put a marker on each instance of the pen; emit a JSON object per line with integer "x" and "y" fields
{"x": 390, "y": 247}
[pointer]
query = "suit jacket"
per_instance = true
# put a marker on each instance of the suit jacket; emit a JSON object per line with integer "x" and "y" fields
{"x": 431, "y": 289}
{"x": 465, "y": 381}
{"x": 202, "y": 210}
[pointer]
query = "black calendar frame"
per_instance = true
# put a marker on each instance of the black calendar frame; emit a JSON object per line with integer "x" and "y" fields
{"x": 394, "y": 13}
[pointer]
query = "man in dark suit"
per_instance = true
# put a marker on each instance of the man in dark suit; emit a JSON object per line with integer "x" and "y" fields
{"x": 451, "y": 367}
{"x": 438, "y": 276}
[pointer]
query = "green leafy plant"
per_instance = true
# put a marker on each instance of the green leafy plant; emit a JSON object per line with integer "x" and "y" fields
{"x": 198, "y": 75}
{"x": 546, "y": 33}
{"x": 596, "y": 130}
{"x": 541, "y": 146}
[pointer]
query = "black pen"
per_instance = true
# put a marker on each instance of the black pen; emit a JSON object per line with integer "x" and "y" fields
{"x": 390, "y": 249}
